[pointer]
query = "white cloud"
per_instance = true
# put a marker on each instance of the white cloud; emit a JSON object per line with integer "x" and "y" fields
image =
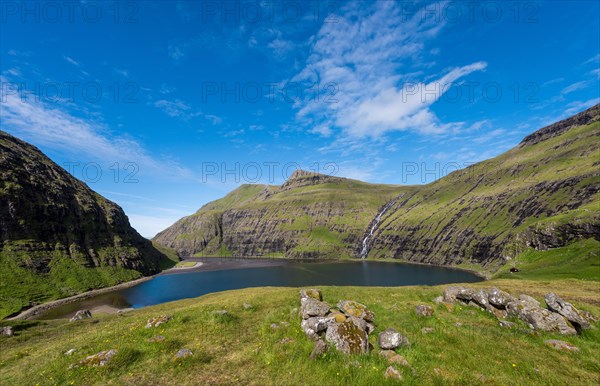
{"x": 176, "y": 108}
{"x": 57, "y": 129}
{"x": 574, "y": 87}
{"x": 71, "y": 60}
{"x": 356, "y": 64}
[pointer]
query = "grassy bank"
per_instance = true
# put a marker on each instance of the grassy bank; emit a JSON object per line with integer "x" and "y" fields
{"x": 243, "y": 347}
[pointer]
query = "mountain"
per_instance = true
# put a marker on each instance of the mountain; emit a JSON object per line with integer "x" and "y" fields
{"x": 542, "y": 194}
{"x": 57, "y": 236}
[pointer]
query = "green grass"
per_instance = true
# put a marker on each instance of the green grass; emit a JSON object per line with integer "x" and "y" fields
{"x": 242, "y": 347}
{"x": 186, "y": 264}
{"x": 580, "y": 260}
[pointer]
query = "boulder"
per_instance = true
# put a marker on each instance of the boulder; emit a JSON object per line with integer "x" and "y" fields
{"x": 312, "y": 307}
{"x": 158, "y": 320}
{"x": 561, "y": 345}
{"x": 391, "y": 339}
{"x": 348, "y": 337}
{"x": 7, "y": 331}
{"x": 80, "y": 315}
{"x": 539, "y": 318}
{"x": 424, "y": 310}
{"x": 352, "y": 308}
{"x": 451, "y": 292}
{"x": 183, "y": 353}
{"x": 392, "y": 373}
{"x": 556, "y": 304}
{"x": 319, "y": 349}
{"x": 499, "y": 298}
{"x": 311, "y": 293}
{"x": 529, "y": 299}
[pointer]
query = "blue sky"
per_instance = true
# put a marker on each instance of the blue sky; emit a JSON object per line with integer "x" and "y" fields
{"x": 164, "y": 106}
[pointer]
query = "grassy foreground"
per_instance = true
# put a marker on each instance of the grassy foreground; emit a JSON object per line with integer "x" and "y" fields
{"x": 242, "y": 347}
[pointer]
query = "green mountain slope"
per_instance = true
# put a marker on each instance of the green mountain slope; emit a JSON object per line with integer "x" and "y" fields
{"x": 311, "y": 215}
{"x": 57, "y": 236}
{"x": 542, "y": 194}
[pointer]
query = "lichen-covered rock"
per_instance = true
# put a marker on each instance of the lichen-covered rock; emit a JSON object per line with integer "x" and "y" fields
{"x": 499, "y": 298}
{"x": 319, "y": 349}
{"x": 183, "y": 353}
{"x": 347, "y": 337}
{"x": 316, "y": 324}
{"x": 572, "y": 314}
{"x": 451, "y": 292}
{"x": 539, "y": 318}
{"x": 311, "y": 293}
{"x": 561, "y": 345}
{"x": 391, "y": 339}
{"x": 7, "y": 331}
{"x": 339, "y": 317}
{"x": 81, "y": 314}
{"x": 352, "y": 308}
{"x": 158, "y": 320}
{"x": 100, "y": 359}
{"x": 312, "y": 307}
{"x": 424, "y": 310}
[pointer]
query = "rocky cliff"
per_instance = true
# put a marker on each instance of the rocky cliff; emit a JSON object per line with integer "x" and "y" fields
{"x": 542, "y": 194}
{"x": 57, "y": 236}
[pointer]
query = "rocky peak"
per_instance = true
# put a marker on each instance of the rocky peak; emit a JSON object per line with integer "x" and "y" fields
{"x": 306, "y": 178}
{"x": 584, "y": 118}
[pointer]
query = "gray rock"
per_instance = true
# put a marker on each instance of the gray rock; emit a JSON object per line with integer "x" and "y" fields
{"x": 451, "y": 292}
{"x": 438, "y": 300}
{"x": 370, "y": 328}
{"x": 561, "y": 345}
{"x": 314, "y": 325}
{"x": 479, "y": 297}
{"x": 539, "y": 318}
{"x": 7, "y": 331}
{"x": 247, "y": 306}
{"x": 506, "y": 324}
{"x": 348, "y": 338}
{"x": 100, "y": 359}
{"x": 392, "y": 373}
{"x": 556, "y": 304}
{"x": 156, "y": 339}
{"x": 427, "y": 330}
{"x": 183, "y": 353}
{"x": 70, "y": 352}
{"x": 158, "y": 320}
{"x": 319, "y": 349}
{"x": 529, "y": 299}
{"x": 221, "y": 312}
{"x": 312, "y": 307}
{"x": 311, "y": 293}
{"x": 81, "y": 314}
{"x": 424, "y": 310}
{"x": 499, "y": 298}
{"x": 391, "y": 339}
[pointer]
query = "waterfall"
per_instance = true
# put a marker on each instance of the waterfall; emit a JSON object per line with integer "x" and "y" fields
{"x": 365, "y": 243}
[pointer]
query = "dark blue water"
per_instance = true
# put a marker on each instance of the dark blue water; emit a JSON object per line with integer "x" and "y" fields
{"x": 166, "y": 288}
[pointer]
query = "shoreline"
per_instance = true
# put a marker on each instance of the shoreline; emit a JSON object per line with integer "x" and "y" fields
{"x": 41, "y": 308}
{"x": 206, "y": 264}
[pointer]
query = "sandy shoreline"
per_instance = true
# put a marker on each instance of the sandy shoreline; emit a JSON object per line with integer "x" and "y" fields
{"x": 41, "y": 308}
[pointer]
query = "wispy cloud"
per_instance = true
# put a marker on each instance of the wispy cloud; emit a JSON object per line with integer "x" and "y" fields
{"x": 59, "y": 130}
{"x": 356, "y": 61}
{"x": 574, "y": 87}
{"x": 71, "y": 60}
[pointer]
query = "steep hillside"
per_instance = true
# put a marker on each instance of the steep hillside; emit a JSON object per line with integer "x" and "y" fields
{"x": 311, "y": 215}
{"x": 57, "y": 236}
{"x": 542, "y": 194}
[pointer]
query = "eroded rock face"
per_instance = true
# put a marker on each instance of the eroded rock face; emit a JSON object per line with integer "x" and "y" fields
{"x": 81, "y": 314}
{"x": 391, "y": 339}
{"x": 572, "y": 314}
{"x": 539, "y": 318}
{"x": 348, "y": 338}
